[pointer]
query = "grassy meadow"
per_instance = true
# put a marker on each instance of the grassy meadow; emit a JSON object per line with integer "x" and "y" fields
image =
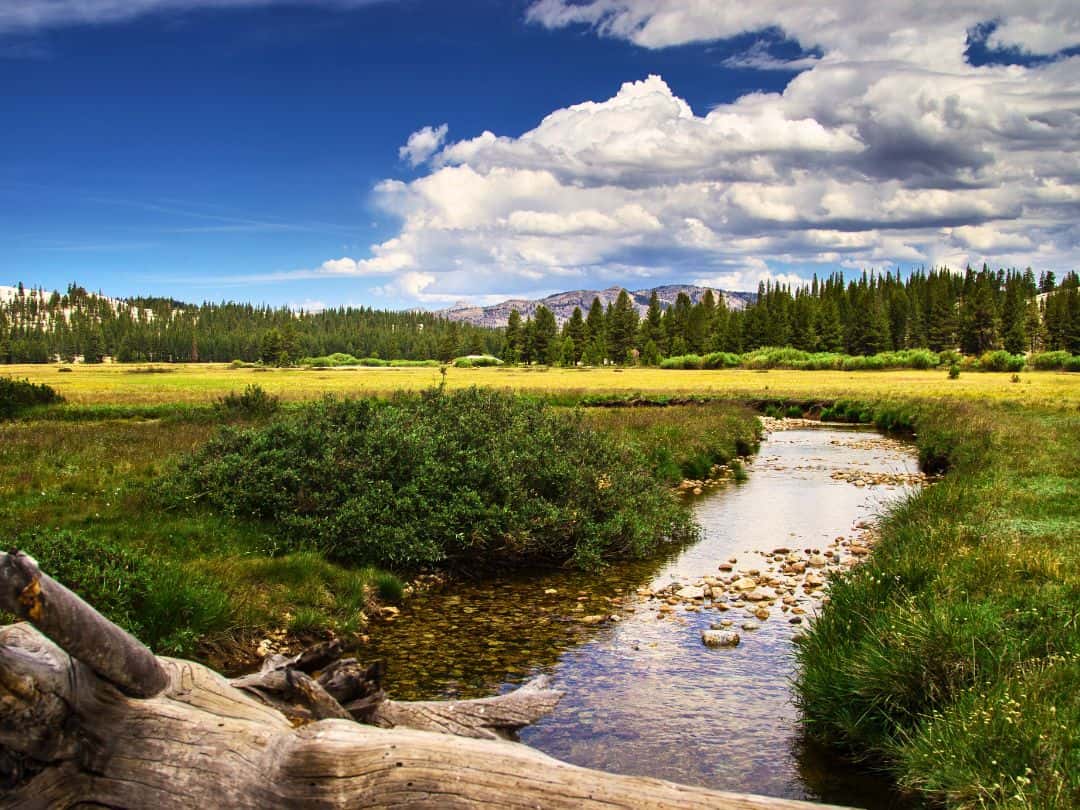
{"x": 951, "y": 658}
{"x": 131, "y": 385}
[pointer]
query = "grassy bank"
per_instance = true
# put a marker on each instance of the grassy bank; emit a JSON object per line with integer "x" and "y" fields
{"x": 953, "y": 656}
{"x": 681, "y": 441}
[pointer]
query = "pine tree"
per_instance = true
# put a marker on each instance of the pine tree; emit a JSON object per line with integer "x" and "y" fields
{"x": 595, "y": 336}
{"x": 575, "y": 330}
{"x": 622, "y": 328}
{"x": 545, "y": 347}
{"x": 514, "y": 338}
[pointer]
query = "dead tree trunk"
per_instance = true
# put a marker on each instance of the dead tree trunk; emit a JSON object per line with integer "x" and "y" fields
{"x": 95, "y": 719}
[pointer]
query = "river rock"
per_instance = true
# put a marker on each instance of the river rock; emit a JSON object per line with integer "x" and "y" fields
{"x": 690, "y": 592}
{"x": 817, "y": 560}
{"x": 719, "y": 638}
{"x": 744, "y": 584}
{"x": 756, "y": 595}
{"x": 749, "y": 626}
{"x": 761, "y": 613}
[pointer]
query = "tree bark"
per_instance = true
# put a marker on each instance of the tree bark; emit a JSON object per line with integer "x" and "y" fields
{"x": 134, "y": 732}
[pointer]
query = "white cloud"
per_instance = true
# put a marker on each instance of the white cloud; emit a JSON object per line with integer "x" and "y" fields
{"x": 422, "y": 144}
{"x": 911, "y": 30}
{"x": 887, "y": 149}
{"x": 18, "y": 16}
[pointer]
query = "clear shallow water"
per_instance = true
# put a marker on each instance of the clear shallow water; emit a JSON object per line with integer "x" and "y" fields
{"x": 643, "y": 695}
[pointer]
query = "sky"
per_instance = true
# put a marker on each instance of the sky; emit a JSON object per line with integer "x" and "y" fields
{"x": 420, "y": 153}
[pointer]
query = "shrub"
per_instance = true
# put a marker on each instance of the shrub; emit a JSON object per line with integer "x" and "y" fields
{"x": 954, "y": 371}
{"x": 255, "y": 401}
{"x": 18, "y": 395}
{"x": 161, "y": 602}
{"x": 683, "y": 362}
{"x": 477, "y": 361}
{"x": 1072, "y": 364}
{"x": 1001, "y": 361}
{"x": 469, "y": 478}
{"x": 721, "y": 360}
{"x": 1049, "y": 361}
{"x": 948, "y": 357}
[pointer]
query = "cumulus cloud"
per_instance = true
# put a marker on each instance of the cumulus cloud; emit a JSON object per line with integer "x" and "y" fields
{"x": 888, "y": 149}
{"x": 422, "y": 144}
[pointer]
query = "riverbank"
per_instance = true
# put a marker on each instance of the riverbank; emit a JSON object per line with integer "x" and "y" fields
{"x": 644, "y": 694}
{"x": 952, "y": 657}
{"x": 82, "y": 491}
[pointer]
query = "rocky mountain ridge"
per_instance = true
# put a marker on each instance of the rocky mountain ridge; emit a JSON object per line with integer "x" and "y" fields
{"x": 562, "y": 304}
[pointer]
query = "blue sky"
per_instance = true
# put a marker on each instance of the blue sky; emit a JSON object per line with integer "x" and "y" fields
{"x": 252, "y": 149}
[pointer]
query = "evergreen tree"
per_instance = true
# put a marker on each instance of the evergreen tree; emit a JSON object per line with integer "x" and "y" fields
{"x": 575, "y": 330}
{"x": 514, "y": 338}
{"x": 545, "y": 347}
{"x": 622, "y": 328}
{"x": 595, "y": 336}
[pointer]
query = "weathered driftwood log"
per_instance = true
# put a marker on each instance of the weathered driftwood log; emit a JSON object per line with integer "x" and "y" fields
{"x": 81, "y": 729}
{"x": 346, "y": 688}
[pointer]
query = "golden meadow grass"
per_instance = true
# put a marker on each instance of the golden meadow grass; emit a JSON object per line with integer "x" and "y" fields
{"x": 118, "y": 384}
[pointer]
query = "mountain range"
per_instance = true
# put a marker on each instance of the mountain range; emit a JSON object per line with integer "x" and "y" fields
{"x": 562, "y": 304}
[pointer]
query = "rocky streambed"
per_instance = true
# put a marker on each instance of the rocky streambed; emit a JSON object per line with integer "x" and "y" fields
{"x": 678, "y": 668}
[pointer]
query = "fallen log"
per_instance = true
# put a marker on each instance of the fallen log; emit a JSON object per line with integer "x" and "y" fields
{"x": 91, "y": 720}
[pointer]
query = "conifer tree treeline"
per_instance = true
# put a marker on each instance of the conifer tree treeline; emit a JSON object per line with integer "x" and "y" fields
{"x": 973, "y": 312}
{"x": 38, "y": 327}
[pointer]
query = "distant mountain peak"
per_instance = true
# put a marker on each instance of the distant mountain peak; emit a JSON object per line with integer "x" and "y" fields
{"x": 562, "y": 304}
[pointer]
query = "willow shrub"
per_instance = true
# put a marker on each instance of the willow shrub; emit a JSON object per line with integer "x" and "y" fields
{"x": 18, "y": 395}
{"x": 469, "y": 479}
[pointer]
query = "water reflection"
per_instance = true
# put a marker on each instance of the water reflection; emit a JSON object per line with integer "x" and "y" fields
{"x": 643, "y": 696}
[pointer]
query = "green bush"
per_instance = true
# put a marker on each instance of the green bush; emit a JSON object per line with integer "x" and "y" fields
{"x": 463, "y": 479}
{"x": 161, "y": 602}
{"x": 1072, "y": 364}
{"x": 255, "y": 401}
{"x": 1001, "y": 361}
{"x": 477, "y": 361}
{"x": 954, "y": 371}
{"x": 683, "y": 362}
{"x": 722, "y": 360}
{"x": 948, "y": 357}
{"x": 18, "y": 395}
{"x": 1049, "y": 361}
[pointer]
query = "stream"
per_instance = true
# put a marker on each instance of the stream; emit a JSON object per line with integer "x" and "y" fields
{"x": 643, "y": 695}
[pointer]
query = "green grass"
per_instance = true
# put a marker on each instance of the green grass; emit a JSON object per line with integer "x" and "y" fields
{"x": 682, "y": 441}
{"x": 953, "y": 655}
{"x": 81, "y": 496}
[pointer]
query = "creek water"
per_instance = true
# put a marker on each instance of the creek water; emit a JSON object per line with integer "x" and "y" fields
{"x": 642, "y": 694}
